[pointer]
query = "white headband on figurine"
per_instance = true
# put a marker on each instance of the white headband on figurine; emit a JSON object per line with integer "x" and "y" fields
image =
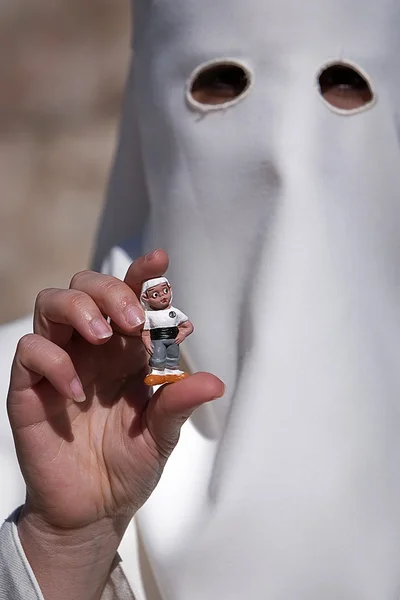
{"x": 149, "y": 284}
{"x": 153, "y": 282}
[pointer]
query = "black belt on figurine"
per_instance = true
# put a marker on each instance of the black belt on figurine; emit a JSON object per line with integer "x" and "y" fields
{"x": 164, "y": 333}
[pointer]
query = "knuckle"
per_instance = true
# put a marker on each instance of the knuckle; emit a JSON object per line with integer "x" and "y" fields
{"x": 170, "y": 439}
{"x": 112, "y": 287}
{"x": 117, "y": 292}
{"x": 75, "y": 300}
{"x": 28, "y": 343}
{"x": 161, "y": 448}
{"x": 60, "y": 361}
{"x": 78, "y": 277}
{"x": 42, "y": 295}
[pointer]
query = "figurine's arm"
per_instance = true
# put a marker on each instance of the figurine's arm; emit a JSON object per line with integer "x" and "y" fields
{"x": 146, "y": 339}
{"x": 185, "y": 329}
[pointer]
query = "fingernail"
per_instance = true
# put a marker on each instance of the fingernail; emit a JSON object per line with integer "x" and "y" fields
{"x": 77, "y": 390}
{"x": 221, "y": 395}
{"x": 133, "y": 316}
{"x": 150, "y": 255}
{"x": 101, "y": 329}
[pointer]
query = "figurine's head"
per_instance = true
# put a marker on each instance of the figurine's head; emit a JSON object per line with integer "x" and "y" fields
{"x": 156, "y": 293}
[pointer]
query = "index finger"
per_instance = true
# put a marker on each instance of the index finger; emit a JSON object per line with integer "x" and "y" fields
{"x": 146, "y": 267}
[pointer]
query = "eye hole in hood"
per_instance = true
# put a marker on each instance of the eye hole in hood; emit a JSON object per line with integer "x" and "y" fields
{"x": 345, "y": 88}
{"x": 218, "y": 84}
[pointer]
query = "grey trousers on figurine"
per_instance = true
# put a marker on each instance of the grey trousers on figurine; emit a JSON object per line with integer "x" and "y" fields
{"x": 165, "y": 354}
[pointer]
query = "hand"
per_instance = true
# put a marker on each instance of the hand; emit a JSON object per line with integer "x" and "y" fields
{"x": 179, "y": 338}
{"x": 149, "y": 347}
{"x": 184, "y": 329}
{"x": 93, "y": 462}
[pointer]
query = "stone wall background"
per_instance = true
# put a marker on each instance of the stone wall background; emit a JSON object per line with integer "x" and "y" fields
{"x": 62, "y": 69}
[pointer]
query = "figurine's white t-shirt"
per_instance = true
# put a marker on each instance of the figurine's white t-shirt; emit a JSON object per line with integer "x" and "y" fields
{"x": 168, "y": 317}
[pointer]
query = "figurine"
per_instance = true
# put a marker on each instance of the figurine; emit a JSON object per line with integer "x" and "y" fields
{"x": 165, "y": 328}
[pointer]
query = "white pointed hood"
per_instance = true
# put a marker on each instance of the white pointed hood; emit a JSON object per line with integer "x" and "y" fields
{"x": 282, "y": 220}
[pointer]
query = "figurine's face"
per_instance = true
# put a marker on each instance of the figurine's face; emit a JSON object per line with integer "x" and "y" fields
{"x": 159, "y": 296}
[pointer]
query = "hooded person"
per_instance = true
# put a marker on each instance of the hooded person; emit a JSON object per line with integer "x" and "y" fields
{"x": 260, "y": 147}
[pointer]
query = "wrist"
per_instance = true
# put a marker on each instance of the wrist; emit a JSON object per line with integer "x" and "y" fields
{"x": 70, "y": 562}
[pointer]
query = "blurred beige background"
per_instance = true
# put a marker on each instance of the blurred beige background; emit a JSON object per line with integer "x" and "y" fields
{"x": 62, "y": 70}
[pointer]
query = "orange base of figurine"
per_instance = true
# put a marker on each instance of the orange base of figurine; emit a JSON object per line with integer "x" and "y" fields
{"x": 152, "y": 379}
{"x": 174, "y": 378}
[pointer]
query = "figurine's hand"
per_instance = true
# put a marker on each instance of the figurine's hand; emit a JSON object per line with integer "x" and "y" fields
{"x": 179, "y": 338}
{"x": 184, "y": 329}
{"x": 149, "y": 347}
{"x": 97, "y": 460}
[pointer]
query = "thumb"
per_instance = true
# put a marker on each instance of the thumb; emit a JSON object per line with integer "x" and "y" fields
{"x": 172, "y": 404}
